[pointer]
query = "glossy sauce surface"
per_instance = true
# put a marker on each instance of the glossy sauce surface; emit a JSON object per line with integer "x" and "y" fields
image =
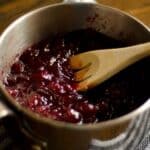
{"x": 41, "y": 80}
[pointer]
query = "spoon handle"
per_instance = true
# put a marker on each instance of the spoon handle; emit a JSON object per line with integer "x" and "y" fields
{"x": 133, "y": 53}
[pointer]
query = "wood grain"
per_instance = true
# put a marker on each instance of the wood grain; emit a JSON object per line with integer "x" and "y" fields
{"x": 11, "y": 9}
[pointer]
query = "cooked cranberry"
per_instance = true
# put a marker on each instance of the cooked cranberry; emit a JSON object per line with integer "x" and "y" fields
{"x": 34, "y": 100}
{"x": 55, "y": 86}
{"x": 55, "y": 114}
{"x": 14, "y": 92}
{"x": 21, "y": 78}
{"x": 86, "y": 108}
{"x": 17, "y": 67}
{"x": 10, "y": 80}
{"x": 36, "y": 64}
{"x": 42, "y": 81}
{"x": 42, "y": 110}
{"x": 41, "y": 75}
{"x": 72, "y": 116}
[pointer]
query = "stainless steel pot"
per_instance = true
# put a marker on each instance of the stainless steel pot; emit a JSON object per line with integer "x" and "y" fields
{"x": 64, "y": 17}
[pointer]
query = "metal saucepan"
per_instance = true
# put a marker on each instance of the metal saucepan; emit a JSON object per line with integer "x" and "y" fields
{"x": 64, "y": 17}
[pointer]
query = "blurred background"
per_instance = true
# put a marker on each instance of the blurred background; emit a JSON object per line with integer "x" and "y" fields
{"x": 11, "y": 9}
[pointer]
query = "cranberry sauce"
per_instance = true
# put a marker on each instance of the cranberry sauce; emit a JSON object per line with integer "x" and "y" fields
{"x": 42, "y": 81}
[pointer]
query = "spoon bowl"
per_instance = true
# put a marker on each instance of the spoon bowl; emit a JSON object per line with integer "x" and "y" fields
{"x": 94, "y": 67}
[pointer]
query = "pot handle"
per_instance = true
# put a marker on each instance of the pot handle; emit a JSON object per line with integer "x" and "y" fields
{"x": 36, "y": 144}
{"x": 5, "y": 111}
{"x": 78, "y": 1}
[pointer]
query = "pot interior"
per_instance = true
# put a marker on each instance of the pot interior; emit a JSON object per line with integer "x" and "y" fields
{"x": 45, "y": 22}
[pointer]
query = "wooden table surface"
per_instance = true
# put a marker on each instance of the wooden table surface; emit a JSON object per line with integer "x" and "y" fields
{"x": 11, "y": 9}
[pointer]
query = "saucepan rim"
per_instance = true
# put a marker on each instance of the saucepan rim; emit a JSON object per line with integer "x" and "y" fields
{"x": 60, "y": 124}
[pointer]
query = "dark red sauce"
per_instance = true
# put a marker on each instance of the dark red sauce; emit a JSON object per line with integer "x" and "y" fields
{"x": 42, "y": 81}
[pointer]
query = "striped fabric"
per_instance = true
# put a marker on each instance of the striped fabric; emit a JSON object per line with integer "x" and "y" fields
{"x": 136, "y": 137}
{"x": 129, "y": 140}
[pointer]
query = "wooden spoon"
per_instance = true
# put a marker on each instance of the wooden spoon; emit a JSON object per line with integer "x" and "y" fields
{"x": 94, "y": 67}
